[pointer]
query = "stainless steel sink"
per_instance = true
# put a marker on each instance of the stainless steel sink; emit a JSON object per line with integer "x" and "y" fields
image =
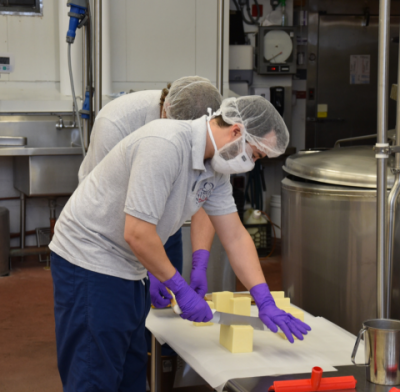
{"x": 49, "y": 162}
{"x": 7, "y": 141}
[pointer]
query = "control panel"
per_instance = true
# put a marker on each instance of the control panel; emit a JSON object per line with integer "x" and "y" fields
{"x": 6, "y": 62}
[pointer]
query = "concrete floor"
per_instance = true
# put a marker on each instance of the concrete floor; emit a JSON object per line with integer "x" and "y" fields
{"x": 27, "y": 339}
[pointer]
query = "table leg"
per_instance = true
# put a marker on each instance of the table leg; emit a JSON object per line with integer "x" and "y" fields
{"x": 155, "y": 382}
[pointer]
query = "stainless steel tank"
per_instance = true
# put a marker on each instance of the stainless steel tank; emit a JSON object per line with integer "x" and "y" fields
{"x": 4, "y": 241}
{"x": 329, "y": 235}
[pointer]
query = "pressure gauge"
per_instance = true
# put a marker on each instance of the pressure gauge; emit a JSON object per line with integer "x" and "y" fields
{"x": 275, "y": 52}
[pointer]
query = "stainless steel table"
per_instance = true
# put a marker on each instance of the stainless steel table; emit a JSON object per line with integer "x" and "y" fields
{"x": 261, "y": 384}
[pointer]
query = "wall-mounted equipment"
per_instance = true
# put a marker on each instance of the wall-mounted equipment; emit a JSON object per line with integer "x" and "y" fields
{"x": 278, "y": 99}
{"x": 6, "y": 63}
{"x": 241, "y": 63}
{"x": 275, "y": 52}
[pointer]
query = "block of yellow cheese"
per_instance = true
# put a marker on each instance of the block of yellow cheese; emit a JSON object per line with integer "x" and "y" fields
{"x": 295, "y": 313}
{"x": 282, "y": 302}
{"x": 278, "y": 294}
{"x": 221, "y": 300}
{"x": 211, "y": 305}
{"x": 241, "y": 305}
{"x": 237, "y": 338}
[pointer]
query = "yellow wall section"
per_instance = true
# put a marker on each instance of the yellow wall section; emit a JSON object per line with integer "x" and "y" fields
{"x": 211, "y": 305}
{"x": 241, "y": 305}
{"x": 221, "y": 300}
{"x": 237, "y": 338}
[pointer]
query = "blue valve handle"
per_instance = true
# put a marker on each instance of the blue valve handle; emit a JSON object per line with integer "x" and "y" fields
{"x": 85, "y": 112}
{"x": 76, "y": 14}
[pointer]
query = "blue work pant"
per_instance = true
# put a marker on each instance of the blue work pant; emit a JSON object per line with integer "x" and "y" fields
{"x": 100, "y": 329}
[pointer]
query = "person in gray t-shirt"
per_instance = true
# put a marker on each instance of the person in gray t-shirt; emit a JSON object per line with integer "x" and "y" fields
{"x": 112, "y": 231}
{"x": 188, "y": 98}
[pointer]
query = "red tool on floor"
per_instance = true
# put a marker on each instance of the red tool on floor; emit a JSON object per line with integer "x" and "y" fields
{"x": 316, "y": 383}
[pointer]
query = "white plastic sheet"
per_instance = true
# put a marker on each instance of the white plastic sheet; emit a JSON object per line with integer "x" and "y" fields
{"x": 327, "y": 345}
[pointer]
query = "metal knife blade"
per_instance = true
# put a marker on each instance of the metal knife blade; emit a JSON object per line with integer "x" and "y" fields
{"x": 235, "y": 319}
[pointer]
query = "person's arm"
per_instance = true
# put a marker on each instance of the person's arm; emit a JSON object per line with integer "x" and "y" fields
{"x": 202, "y": 235}
{"x": 243, "y": 257}
{"x": 239, "y": 246}
{"x": 202, "y": 231}
{"x": 145, "y": 243}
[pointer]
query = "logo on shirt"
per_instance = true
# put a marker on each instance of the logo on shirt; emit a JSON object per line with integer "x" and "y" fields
{"x": 204, "y": 193}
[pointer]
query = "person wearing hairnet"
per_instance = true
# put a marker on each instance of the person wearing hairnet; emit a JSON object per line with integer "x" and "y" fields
{"x": 187, "y": 98}
{"x": 112, "y": 231}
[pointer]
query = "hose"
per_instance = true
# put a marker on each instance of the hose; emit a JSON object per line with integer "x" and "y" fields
{"x": 71, "y": 78}
{"x": 252, "y": 21}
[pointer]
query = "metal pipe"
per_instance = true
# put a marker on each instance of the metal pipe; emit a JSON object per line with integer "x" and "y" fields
{"x": 155, "y": 382}
{"x": 354, "y": 139}
{"x": 97, "y": 56}
{"x": 381, "y": 156}
{"x": 85, "y": 78}
{"x": 392, "y": 201}
{"x": 22, "y": 209}
{"x": 29, "y": 251}
{"x": 220, "y": 46}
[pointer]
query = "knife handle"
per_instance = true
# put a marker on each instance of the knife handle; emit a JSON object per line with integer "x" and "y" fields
{"x": 174, "y": 305}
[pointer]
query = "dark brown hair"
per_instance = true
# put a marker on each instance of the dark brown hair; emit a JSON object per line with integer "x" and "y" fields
{"x": 164, "y": 94}
{"x": 221, "y": 123}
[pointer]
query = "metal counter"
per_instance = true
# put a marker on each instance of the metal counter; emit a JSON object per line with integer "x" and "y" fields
{"x": 261, "y": 384}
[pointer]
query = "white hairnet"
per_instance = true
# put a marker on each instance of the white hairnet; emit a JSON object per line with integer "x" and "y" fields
{"x": 189, "y": 97}
{"x": 262, "y": 125}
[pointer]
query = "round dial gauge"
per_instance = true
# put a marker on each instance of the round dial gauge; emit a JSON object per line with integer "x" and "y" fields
{"x": 278, "y": 46}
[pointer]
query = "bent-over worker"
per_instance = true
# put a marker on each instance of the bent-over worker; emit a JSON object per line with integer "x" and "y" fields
{"x": 112, "y": 231}
{"x": 187, "y": 98}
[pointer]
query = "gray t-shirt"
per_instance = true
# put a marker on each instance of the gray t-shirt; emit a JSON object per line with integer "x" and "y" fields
{"x": 117, "y": 120}
{"x": 156, "y": 174}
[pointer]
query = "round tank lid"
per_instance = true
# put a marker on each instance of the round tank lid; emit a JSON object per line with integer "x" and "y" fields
{"x": 349, "y": 166}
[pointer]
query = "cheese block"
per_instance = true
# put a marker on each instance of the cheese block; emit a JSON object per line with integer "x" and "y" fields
{"x": 237, "y": 338}
{"x": 211, "y": 305}
{"x": 278, "y": 294}
{"x": 221, "y": 300}
{"x": 282, "y": 302}
{"x": 240, "y": 306}
{"x": 295, "y": 313}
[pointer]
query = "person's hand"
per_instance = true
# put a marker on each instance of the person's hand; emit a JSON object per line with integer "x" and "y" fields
{"x": 193, "y": 307}
{"x": 198, "y": 276}
{"x": 273, "y": 317}
{"x": 160, "y": 297}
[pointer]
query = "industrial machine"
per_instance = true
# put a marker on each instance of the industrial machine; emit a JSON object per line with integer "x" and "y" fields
{"x": 275, "y": 52}
{"x": 329, "y": 235}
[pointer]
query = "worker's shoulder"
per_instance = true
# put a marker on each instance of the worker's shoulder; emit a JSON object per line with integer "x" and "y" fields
{"x": 172, "y": 130}
{"x": 131, "y": 103}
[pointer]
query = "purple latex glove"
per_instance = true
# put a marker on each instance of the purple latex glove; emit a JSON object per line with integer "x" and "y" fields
{"x": 193, "y": 307}
{"x": 160, "y": 297}
{"x": 274, "y": 317}
{"x": 198, "y": 276}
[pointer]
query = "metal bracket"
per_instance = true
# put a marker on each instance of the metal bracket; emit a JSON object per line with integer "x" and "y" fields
{"x": 394, "y": 149}
{"x": 382, "y": 150}
{"x": 395, "y": 170}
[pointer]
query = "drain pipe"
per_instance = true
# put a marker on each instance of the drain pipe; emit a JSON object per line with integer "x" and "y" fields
{"x": 382, "y": 155}
{"x": 393, "y": 196}
{"x": 97, "y": 56}
{"x": 220, "y": 46}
